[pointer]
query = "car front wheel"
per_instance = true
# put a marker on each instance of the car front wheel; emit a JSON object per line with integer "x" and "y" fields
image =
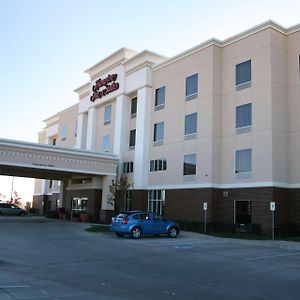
{"x": 172, "y": 232}
{"x": 135, "y": 233}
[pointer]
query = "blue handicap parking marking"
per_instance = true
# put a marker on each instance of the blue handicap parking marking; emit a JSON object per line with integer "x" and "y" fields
{"x": 184, "y": 246}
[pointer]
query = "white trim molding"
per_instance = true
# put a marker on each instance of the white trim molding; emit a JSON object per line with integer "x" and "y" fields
{"x": 225, "y": 185}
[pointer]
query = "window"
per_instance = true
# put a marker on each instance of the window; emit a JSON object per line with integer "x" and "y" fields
{"x": 158, "y": 132}
{"x": 243, "y": 115}
{"x": 107, "y": 114}
{"x": 54, "y": 142}
{"x": 132, "y": 138}
{"x": 189, "y": 164}
{"x": 105, "y": 143}
{"x": 64, "y": 132}
{"x": 128, "y": 167}
{"x": 243, "y": 212}
{"x": 51, "y": 185}
{"x": 81, "y": 180}
{"x": 76, "y": 128}
{"x": 243, "y": 75}
{"x": 191, "y": 87}
{"x": 79, "y": 205}
{"x": 133, "y": 109}
{"x": 128, "y": 201}
{"x": 190, "y": 126}
{"x": 158, "y": 165}
{"x": 156, "y": 201}
{"x": 243, "y": 161}
{"x": 160, "y": 95}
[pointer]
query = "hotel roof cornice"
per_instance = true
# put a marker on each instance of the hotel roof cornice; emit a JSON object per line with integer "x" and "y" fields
{"x": 228, "y": 41}
{"x": 132, "y": 59}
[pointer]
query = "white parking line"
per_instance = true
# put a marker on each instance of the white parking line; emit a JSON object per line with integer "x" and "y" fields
{"x": 174, "y": 242}
{"x": 13, "y": 286}
{"x": 272, "y": 256}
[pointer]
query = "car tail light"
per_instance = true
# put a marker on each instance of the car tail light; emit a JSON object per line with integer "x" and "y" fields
{"x": 125, "y": 221}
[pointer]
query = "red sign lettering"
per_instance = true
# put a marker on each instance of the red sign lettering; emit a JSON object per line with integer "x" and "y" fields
{"x": 109, "y": 83}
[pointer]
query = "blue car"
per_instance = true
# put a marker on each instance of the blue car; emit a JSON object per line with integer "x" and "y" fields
{"x": 136, "y": 223}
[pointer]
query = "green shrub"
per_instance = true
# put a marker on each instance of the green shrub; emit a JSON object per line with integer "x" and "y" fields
{"x": 53, "y": 214}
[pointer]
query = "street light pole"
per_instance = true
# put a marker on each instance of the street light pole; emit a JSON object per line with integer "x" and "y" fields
{"x": 12, "y": 187}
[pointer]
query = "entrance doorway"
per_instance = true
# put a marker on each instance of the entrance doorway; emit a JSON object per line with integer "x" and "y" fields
{"x": 242, "y": 212}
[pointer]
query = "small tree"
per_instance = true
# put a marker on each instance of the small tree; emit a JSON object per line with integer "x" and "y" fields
{"x": 2, "y": 197}
{"x": 118, "y": 190}
{"x": 16, "y": 199}
{"x": 28, "y": 206}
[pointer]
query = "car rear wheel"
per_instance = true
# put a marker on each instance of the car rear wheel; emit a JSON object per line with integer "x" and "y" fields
{"x": 135, "y": 233}
{"x": 22, "y": 214}
{"x": 172, "y": 232}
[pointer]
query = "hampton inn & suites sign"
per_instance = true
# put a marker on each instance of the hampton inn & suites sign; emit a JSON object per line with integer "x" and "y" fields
{"x": 103, "y": 87}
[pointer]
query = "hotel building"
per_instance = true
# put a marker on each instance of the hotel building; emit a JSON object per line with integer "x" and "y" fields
{"x": 218, "y": 123}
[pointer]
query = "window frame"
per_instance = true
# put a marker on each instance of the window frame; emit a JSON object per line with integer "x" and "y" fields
{"x": 128, "y": 167}
{"x": 243, "y": 84}
{"x": 159, "y": 106}
{"x": 64, "y": 132}
{"x": 133, "y": 107}
{"x": 131, "y": 136}
{"x": 243, "y": 128}
{"x": 156, "y": 201}
{"x": 237, "y": 173}
{"x": 185, "y": 167}
{"x": 76, "y": 128}
{"x": 107, "y": 119}
{"x": 250, "y": 209}
{"x": 81, "y": 205}
{"x": 192, "y": 95}
{"x": 190, "y": 134}
{"x": 158, "y": 165}
{"x": 106, "y": 139}
{"x": 157, "y": 126}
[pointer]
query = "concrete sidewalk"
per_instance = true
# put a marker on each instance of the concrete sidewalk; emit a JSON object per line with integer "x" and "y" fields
{"x": 295, "y": 246}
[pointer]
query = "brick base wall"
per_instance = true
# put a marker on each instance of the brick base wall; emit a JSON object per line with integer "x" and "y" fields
{"x": 187, "y": 204}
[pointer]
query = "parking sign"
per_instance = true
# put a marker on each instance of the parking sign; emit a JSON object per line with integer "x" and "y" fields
{"x": 272, "y": 206}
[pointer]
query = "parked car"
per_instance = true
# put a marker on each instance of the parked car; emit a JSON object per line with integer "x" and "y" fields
{"x": 136, "y": 223}
{"x": 11, "y": 209}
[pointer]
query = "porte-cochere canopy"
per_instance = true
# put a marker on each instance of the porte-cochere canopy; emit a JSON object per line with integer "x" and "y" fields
{"x": 34, "y": 160}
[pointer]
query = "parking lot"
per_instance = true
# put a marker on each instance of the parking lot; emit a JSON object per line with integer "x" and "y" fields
{"x": 52, "y": 259}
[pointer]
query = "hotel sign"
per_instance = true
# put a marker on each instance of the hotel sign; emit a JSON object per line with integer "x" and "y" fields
{"x": 103, "y": 87}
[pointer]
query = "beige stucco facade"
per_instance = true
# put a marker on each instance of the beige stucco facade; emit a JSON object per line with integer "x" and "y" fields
{"x": 273, "y": 136}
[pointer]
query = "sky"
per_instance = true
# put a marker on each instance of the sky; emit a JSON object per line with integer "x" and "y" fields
{"x": 46, "y": 45}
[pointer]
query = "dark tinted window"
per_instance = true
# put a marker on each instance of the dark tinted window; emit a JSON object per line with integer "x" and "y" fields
{"x": 132, "y": 138}
{"x": 158, "y": 217}
{"x": 243, "y": 115}
{"x": 160, "y": 96}
{"x": 243, "y": 160}
{"x": 133, "y": 106}
{"x": 243, "y": 72}
{"x": 190, "y": 126}
{"x": 191, "y": 85}
{"x": 158, "y": 132}
{"x": 189, "y": 164}
{"x": 144, "y": 216}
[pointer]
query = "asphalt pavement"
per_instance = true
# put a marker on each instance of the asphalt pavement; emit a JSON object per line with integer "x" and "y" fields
{"x": 52, "y": 259}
